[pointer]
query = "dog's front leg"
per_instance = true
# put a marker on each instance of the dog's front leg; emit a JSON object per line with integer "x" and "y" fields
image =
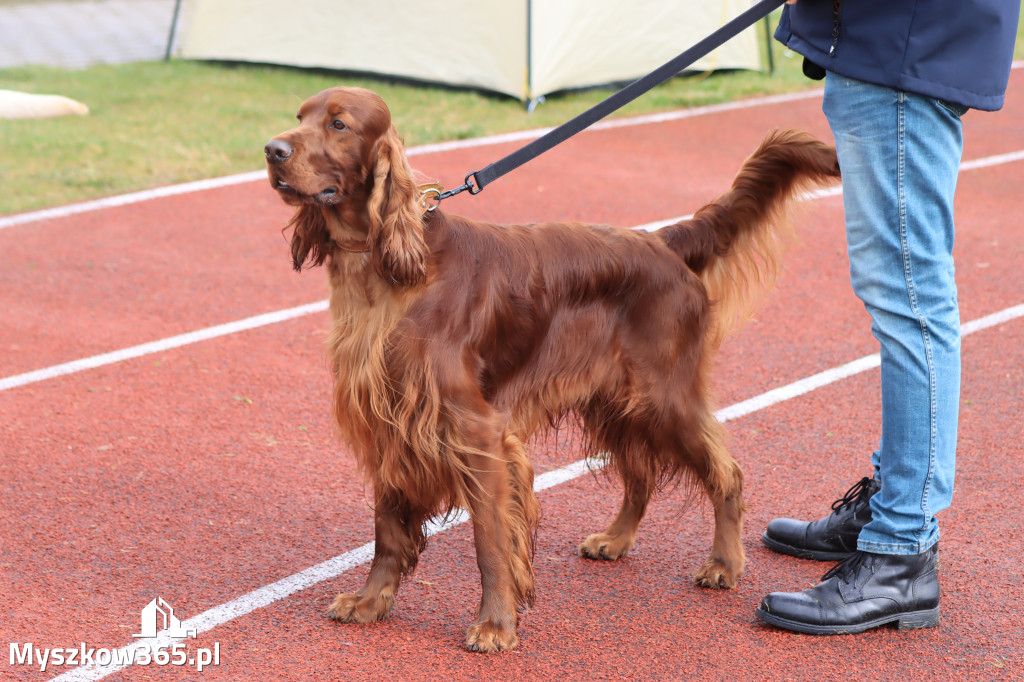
{"x": 496, "y": 617}
{"x": 504, "y": 511}
{"x": 399, "y": 537}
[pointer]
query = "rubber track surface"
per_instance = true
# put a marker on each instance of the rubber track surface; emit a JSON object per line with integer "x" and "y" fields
{"x": 203, "y": 472}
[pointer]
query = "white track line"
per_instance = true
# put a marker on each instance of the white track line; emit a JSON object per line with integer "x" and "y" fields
{"x": 132, "y": 198}
{"x": 160, "y": 346}
{"x": 995, "y": 160}
{"x": 809, "y": 196}
{"x": 332, "y": 568}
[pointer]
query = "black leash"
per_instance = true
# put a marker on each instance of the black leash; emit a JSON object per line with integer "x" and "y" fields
{"x": 477, "y": 180}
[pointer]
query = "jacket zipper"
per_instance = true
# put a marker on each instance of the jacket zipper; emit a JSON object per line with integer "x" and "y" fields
{"x": 835, "y": 28}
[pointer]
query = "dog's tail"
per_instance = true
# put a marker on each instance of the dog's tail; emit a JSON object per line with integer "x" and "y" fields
{"x": 735, "y": 243}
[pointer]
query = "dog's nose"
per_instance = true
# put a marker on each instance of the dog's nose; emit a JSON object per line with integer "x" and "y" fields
{"x": 278, "y": 151}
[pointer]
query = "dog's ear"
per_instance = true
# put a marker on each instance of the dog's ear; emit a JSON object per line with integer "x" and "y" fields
{"x": 311, "y": 240}
{"x": 396, "y": 216}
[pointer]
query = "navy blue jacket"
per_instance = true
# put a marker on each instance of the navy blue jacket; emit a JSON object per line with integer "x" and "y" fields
{"x": 955, "y": 50}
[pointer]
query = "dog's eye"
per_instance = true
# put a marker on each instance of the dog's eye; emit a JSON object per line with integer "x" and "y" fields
{"x": 298, "y": 117}
{"x": 338, "y": 124}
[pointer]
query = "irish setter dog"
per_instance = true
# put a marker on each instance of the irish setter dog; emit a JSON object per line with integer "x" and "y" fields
{"x": 455, "y": 341}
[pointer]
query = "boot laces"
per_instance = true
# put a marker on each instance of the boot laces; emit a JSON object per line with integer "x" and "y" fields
{"x": 846, "y": 569}
{"x": 861, "y": 490}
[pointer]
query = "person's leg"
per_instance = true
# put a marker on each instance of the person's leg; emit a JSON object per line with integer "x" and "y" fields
{"x": 900, "y": 155}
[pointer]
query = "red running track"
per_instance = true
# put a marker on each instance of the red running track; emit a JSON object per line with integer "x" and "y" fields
{"x": 206, "y": 472}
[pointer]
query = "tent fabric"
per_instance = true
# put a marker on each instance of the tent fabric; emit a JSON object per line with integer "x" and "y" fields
{"x": 522, "y": 48}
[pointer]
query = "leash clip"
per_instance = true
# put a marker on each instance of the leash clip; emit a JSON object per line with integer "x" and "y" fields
{"x": 430, "y": 193}
{"x": 470, "y": 184}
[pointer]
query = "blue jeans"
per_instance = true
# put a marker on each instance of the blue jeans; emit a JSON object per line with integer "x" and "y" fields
{"x": 900, "y": 155}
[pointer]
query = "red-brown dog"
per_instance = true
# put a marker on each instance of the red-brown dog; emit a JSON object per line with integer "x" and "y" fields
{"x": 455, "y": 341}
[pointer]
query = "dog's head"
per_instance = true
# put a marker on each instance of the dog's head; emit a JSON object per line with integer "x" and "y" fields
{"x": 345, "y": 157}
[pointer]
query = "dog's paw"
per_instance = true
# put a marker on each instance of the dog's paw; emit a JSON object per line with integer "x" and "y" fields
{"x": 487, "y": 637}
{"x": 604, "y": 546}
{"x": 355, "y": 608}
{"x": 717, "y": 574}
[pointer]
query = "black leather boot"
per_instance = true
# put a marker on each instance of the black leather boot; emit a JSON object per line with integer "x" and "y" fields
{"x": 831, "y": 538}
{"x": 862, "y": 592}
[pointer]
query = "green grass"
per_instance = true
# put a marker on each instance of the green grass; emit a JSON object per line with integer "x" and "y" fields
{"x": 158, "y": 123}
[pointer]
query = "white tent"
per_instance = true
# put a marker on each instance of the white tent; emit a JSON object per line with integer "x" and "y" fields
{"x": 523, "y": 48}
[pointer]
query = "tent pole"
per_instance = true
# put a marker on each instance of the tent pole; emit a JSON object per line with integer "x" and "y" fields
{"x": 529, "y": 101}
{"x": 768, "y": 44}
{"x": 174, "y": 25}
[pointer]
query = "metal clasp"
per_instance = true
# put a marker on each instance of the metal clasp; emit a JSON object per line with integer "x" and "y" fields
{"x": 439, "y": 195}
{"x": 426, "y": 191}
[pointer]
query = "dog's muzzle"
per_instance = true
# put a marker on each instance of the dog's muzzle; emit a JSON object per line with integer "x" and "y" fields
{"x": 278, "y": 151}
